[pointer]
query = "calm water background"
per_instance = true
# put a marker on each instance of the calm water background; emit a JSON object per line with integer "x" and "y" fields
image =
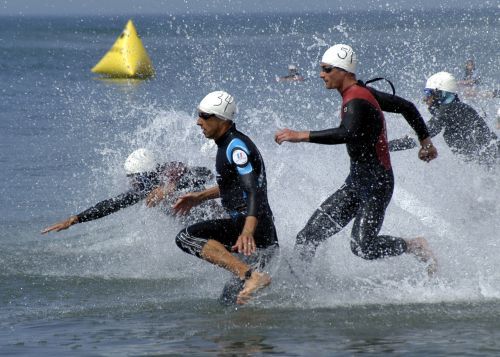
{"x": 120, "y": 286}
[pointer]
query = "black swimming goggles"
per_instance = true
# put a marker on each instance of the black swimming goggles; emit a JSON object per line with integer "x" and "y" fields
{"x": 205, "y": 116}
{"x": 328, "y": 69}
{"x": 429, "y": 93}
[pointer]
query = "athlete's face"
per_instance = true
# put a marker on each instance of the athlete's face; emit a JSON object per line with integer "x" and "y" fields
{"x": 208, "y": 124}
{"x": 332, "y": 76}
{"x": 430, "y": 97}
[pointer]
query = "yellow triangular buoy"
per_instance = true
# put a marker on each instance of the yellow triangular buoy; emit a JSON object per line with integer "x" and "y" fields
{"x": 127, "y": 57}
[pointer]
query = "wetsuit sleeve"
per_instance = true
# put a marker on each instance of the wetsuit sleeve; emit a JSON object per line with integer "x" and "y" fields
{"x": 109, "y": 206}
{"x": 238, "y": 154}
{"x": 402, "y": 144}
{"x": 355, "y": 111}
{"x": 435, "y": 126}
{"x": 195, "y": 178}
{"x": 394, "y": 104}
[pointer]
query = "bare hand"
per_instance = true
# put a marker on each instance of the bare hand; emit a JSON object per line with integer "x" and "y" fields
{"x": 245, "y": 244}
{"x": 61, "y": 225}
{"x": 428, "y": 151}
{"x": 185, "y": 203}
{"x": 291, "y": 136}
{"x": 155, "y": 196}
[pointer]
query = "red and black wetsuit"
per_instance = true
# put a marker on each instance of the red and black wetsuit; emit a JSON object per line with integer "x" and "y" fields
{"x": 369, "y": 186}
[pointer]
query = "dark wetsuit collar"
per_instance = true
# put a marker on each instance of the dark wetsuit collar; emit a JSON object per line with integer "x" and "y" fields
{"x": 220, "y": 141}
{"x": 348, "y": 88}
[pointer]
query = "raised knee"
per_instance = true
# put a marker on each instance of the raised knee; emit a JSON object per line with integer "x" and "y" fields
{"x": 189, "y": 243}
{"x": 179, "y": 238}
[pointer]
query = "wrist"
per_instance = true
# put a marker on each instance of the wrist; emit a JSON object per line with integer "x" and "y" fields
{"x": 201, "y": 196}
{"x": 426, "y": 143}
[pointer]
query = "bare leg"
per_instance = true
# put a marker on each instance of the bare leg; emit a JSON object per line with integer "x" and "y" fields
{"x": 420, "y": 248}
{"x": 217, "y": 254}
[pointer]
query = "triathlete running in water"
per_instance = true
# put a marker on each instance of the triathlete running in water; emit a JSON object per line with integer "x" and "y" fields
{"x": 464, "y": 131}
{"x": 242, "y": 187}
{"x": 148, "y": 180}
{"x": 368, "y": 188}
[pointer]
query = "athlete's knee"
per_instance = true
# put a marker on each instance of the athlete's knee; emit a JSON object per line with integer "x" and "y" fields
{"x": 189, "y": 243}
{"x": 378, "y": 247}
{"x": 365, "y": 249}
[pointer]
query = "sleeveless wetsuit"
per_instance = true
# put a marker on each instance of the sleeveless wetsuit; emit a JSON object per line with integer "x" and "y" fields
{"x": 368, "y": 188}
{"x": 241, "y": 178}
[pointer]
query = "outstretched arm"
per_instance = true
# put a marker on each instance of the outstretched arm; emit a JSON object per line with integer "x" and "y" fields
{"x": 100, "y": 210}
{"x": 292, "y": 136}
{"x": 186, "y": 202}
{"x": 61, "y": 225}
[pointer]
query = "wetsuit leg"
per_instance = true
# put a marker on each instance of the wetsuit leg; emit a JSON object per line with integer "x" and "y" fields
{"x": 193, "y": 238}
{"x": 226, "y": 231}
{"x": 365, "y": 243}
{"x": 333, "y": 215}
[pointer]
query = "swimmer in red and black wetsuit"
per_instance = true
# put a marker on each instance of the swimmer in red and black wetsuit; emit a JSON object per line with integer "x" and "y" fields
{"x": 368, "y": 189}
{"x": 148, "y": 180}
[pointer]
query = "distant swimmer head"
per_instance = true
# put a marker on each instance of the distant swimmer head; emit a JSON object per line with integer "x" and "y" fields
{"x": 341, "y": 56}
{"x": 292, "y": 68}
{"x": 441, "y": 88}
{"x": 218, "y": 103}
{"x": 470, "y": 65}
{"x": 140, "y": 161}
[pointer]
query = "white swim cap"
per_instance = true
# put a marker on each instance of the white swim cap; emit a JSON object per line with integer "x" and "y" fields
{"x": 141, "y": 160}
{"x": 219, "y": 103}
{"x": 442, "y": 81}
{"x": 341, "y": 56}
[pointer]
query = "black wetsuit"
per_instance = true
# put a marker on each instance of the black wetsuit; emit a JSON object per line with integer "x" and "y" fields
{"x": 368, "y": 188}
{"x": 465, "y": 132}
{"x": 241, "y": 178}
{"x": 184, "y": 178}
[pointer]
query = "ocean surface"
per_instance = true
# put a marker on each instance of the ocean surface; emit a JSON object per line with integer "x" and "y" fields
{"x": 119, "y": 286}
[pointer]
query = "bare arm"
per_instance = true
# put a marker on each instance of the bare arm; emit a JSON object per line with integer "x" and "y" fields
{"x": 292, "y": 136}
{"x": 186, "y": 202}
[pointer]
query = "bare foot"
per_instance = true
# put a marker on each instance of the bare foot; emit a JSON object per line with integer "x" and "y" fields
{"x": 256, "y": 282}
{"x": 420, "y": 247}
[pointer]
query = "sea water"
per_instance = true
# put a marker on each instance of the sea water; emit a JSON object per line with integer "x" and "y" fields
{"x": 120, "y": 286}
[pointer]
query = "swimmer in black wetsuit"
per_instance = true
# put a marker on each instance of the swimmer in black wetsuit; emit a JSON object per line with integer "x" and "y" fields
{"x": 368, "y": 188}
{"x": 465, "y": 132}
{"x": 150, "y": 181}
{"x": 242, "y": 187}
